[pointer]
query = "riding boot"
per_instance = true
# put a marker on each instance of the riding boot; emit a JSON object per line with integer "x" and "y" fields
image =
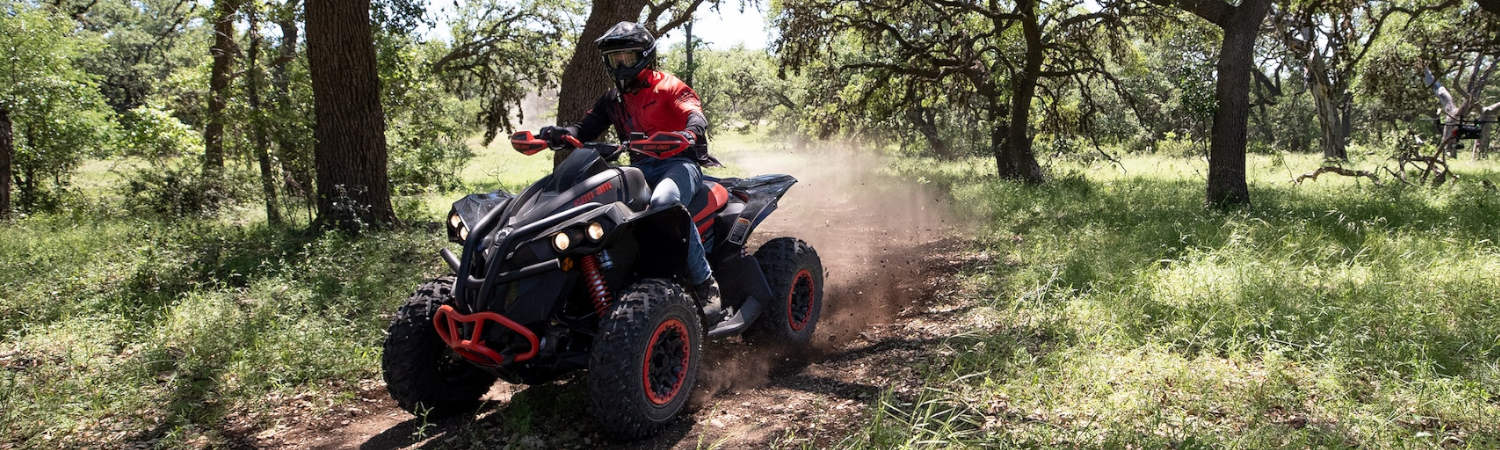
{"x": 707, "y": 295}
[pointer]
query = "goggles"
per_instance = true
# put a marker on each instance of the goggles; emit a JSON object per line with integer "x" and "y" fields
{"x": 619, "y": 59}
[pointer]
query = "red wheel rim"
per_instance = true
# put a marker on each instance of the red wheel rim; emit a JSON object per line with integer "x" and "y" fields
{"x": 666, "y": 364}
{"x": 799, "y": 301}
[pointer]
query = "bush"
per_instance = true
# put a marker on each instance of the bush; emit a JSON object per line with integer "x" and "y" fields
{"x": 179, "y": 189}
{"x": 152, "y": 132}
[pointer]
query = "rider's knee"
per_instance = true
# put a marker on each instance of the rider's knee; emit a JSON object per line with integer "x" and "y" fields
{"x": 666, "y": 194}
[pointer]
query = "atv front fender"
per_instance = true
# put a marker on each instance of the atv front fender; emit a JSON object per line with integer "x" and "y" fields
{"x": 662, "y": 235}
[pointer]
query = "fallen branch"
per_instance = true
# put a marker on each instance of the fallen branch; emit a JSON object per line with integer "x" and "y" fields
{"x": 1337, "y": 170}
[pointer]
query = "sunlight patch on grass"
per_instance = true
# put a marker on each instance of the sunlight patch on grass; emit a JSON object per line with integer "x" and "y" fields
{"x": 1331, "y": 313}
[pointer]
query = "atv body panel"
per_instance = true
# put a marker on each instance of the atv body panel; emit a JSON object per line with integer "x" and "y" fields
{"x": 510, "y": 266}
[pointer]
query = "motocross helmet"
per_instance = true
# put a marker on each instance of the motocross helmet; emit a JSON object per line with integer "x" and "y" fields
{"x": 627, "y": 49}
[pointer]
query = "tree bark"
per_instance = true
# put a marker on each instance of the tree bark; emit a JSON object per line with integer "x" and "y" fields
{"x": 1448, "y": 111}
{"x": 1327, "y": 98}
{"x": 350, "y": 155}
{"x": 222, "y": 51}
{"x": 1487, "y": 117}
{"x": 1226, "y": 154}
{"x": 258, "y": 120}
{"x": 584, "y": 79}
{"x": 1014, "y": 159}
{"x": 7, "y": 148}
{"x": 300, "y": 179}
{"x": 925, "y": 124}
{"x": 688, "y": 50}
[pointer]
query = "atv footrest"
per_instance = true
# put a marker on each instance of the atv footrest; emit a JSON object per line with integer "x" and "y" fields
{"x": 447, "y": 322}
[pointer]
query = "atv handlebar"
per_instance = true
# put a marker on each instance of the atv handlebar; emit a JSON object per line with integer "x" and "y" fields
{"x": 660, "y": 145}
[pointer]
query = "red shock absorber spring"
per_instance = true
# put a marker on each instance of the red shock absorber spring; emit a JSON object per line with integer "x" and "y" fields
{"x": 598, "y": 291}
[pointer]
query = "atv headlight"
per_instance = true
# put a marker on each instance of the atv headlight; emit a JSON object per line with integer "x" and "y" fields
{"x": 457, "y": 228}
{"x": 596, "y": 231}
{"x": 560, "y": 241}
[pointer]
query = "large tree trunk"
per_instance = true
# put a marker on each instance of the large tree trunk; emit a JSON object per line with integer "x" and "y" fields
{"x": 350, "y": 156}
{"x": 1331, "y": 119}
{"x": 7, "y": 148}
{"x": 1448, "y": 111}
{"x": 223, "y": 51}
{"x": 258, "y": 120}
{"x": 1014, "y": 158}
{"x": 584, "y": 79}
{"x": 926, "y": 125}
{"x": 1226, "y": 154}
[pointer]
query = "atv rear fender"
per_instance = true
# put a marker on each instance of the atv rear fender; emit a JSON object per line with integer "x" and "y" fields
{"x": 761, "y": 194}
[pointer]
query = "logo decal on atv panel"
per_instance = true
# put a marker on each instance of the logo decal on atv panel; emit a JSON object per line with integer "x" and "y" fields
{"x": 589, "y": 196}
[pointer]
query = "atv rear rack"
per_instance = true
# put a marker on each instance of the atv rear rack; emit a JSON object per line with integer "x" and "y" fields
{"x": 447, "y": 322}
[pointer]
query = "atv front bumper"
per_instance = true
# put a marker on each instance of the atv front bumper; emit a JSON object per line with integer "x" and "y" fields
{"x": 449, "y": 323}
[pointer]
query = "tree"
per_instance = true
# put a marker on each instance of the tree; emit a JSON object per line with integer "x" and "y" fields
{"x": 1446, "y": 58}
{"x": 259, "y": 141}
{"x": 1226, "y": 154}
{"x": 7, "y": 147}
{"x": 1003, "y": 55}
{"x": 350, "y": 154}
{"x": 51, "y": 113}
{"x": 223, "y": 52}
{"x": 503, "y": 51}
{"x": 144, "y": 41}
{"x": 584, "y": 78}
{"x": 1329, "y": 39}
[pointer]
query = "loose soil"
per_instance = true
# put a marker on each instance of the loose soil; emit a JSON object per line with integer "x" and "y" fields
{"x": 890, "y": 249}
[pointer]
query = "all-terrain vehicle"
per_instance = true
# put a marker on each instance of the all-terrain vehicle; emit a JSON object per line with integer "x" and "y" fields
{"x": 581, "y": 271}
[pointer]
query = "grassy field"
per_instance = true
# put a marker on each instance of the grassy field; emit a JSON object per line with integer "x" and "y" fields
{"x": 1119, "y": 311}
{"x": 129, "y": 329}
{"x": 1116, "y": 310}
{"x": 119, "y": 328}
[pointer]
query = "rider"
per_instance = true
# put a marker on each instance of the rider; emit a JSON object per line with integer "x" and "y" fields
{"x": 647, "y": 100}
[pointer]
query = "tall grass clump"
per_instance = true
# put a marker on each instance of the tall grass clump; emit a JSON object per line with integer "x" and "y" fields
{"x": 121, "y": 326}
{"x": 1335, "y": 312}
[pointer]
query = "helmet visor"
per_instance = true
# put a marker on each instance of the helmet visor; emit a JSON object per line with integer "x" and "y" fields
{"x": 619, "y": 59}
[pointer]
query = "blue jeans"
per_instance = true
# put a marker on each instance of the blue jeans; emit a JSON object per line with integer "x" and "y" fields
{"x": 676, "y": 181}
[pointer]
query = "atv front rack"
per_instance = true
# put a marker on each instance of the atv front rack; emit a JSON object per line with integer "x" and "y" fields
{"x": 447, "y": 322}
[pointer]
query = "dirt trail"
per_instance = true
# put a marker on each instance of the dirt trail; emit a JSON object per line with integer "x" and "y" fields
{"x": 887, "y": 246}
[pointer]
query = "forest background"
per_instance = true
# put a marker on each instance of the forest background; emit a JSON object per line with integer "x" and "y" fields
{"x": 211, "y": 203}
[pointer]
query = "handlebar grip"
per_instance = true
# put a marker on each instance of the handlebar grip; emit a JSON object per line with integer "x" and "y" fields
{"x": 573, "y": 141}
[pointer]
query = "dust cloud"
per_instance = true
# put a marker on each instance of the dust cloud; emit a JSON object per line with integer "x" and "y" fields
{"x": 868, "y": 228}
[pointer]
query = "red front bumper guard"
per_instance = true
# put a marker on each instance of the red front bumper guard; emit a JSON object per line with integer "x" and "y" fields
{"x": 447, "y": 320}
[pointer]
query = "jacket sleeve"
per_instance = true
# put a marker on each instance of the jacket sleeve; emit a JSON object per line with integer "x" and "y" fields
{"x": 688, "y": 104}
{"x": 597, "y": 119}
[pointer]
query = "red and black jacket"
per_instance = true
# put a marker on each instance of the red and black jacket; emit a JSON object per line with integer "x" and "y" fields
{"x": 660, "y": 102}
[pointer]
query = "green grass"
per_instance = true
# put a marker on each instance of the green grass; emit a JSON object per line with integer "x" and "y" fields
{"x": 132, "y": 329}
{"x": 120, "y": 329}
{"x": 1122, "y": 312}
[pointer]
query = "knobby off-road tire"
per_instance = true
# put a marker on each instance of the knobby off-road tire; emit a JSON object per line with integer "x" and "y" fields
{"x": 644, "y": 362}
{"x": 421, "y": 373}
{"x": 795, "y": 274}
